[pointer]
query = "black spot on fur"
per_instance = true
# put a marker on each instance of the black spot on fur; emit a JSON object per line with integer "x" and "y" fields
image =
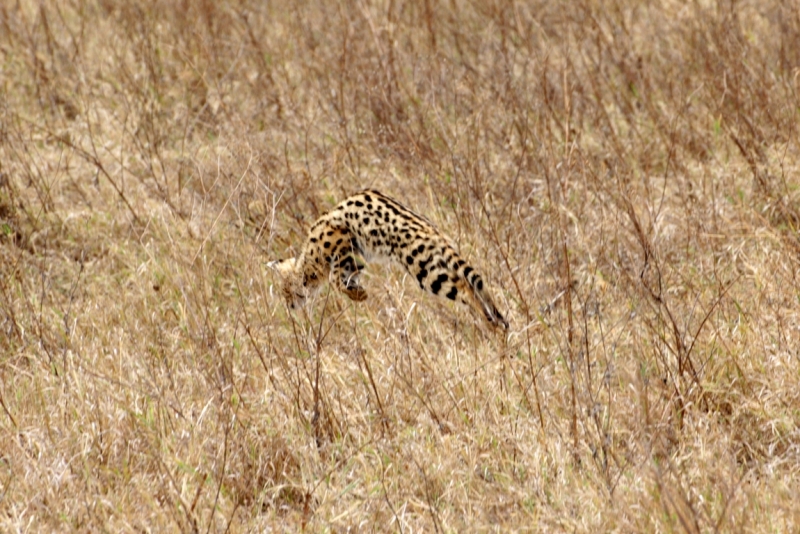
{"x": 452, "y": 293}
{"x": 327, "y": 244}
{"x": 313, "y": 239}
{"x": 479, "y": 284}
{"x": 359, "y": 204}
{"x": 366, "y": 220}
{"x": 329, "y": 233}
{"x": 373, "y": 233}
{"x": 347, "y": 263}
{"x": 436, "y": 285}
{"x": 467, "y": 270}
{"x": 368, "y": 198}
{"x": 409, "y": 260}
{"x": 422, "y": 275}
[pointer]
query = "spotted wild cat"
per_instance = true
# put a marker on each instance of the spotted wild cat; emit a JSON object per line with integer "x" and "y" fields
{"x": 374, "y": 226}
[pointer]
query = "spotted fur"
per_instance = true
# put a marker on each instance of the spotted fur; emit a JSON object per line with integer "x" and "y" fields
{"x": 374, "y": 226}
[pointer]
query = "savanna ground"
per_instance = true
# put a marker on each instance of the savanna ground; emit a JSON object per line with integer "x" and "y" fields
{"x": 624, "y": 174}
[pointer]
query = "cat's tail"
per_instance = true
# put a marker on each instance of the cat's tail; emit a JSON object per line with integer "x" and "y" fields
{"x": 482, "y": 298}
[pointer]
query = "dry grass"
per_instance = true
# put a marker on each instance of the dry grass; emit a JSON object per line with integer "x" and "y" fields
{"x": 624, "y": 173}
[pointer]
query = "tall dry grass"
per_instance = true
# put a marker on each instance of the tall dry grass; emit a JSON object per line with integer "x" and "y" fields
{"x": 624, "y": 173}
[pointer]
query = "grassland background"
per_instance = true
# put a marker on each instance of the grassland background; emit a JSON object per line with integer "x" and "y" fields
{"x": 624, "y": 173}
